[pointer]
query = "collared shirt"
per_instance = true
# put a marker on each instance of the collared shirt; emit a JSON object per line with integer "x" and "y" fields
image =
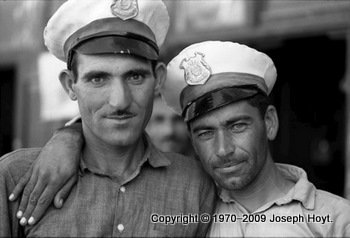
{"x": 303, "y": 212}
{"x": 98, "y": 206}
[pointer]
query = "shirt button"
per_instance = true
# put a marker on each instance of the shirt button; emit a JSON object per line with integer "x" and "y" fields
{"x": 120, "y": 227}
{"x": 122, "y": 189}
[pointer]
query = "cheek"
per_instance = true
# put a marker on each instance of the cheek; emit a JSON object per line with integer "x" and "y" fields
{"x": 205, "y": 152}
{"x": 143, "y": 97}
{"x": 89, "y": 101}
{"x": 252, "y": 146}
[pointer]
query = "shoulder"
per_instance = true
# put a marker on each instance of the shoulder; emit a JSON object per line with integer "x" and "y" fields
{"x": 16, "y": 163}
{"x": 188, "y": 173}
{"x": 185, "y": 164}
{"x": 332, "y": 201}
{"x": 189, "y": 170}
{"x": 337, "y": 208}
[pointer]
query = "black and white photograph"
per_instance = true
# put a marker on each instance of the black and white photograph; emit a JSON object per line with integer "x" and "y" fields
{"x": 174, "y": 118}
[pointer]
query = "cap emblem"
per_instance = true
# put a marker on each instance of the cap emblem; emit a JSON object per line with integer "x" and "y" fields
{"x": 125, "y": 9}
{"x": 197, "y": 71}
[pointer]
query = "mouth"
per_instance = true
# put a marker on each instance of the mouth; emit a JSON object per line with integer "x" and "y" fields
{"x": 230, "y": 164}
{"x": 230, "y": 167}
{"x": 120, "y": 119}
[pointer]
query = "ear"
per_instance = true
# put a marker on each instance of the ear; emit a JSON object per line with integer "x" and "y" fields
{"x": 160, "y": 75}
{"x": 271, "y": 122}
{"x": 67, "y": 80}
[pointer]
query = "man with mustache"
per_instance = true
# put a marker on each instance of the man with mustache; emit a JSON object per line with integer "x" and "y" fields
{"x": 221, "y": 89}
{"x": 125, "y": 187}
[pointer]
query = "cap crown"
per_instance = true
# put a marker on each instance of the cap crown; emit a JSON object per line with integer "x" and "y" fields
{"x": 73, "y": 15}
{"x": 221, "y": 64}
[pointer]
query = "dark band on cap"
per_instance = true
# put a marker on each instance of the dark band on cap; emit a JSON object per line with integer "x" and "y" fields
{"x": 219, "y": 98}
{"x": 220, "y": 80}
{"x": 113, "y": 35}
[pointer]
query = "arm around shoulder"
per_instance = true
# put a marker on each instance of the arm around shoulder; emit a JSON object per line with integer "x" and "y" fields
{"x": 57, "y": 165}
{"x": 9, "y": 226}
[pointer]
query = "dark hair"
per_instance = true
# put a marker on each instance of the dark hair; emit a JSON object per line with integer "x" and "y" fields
{"x": 261, "y": 101}
{"x": 74, "y": 65}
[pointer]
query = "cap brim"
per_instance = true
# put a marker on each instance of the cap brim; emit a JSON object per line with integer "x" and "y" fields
{"x": 217, "y": 99}
{"x": 117, "y": 45}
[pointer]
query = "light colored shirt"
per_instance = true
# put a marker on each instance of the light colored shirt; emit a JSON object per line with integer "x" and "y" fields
{"x": 303, "y": 212}
{"x": 98, "y": 206}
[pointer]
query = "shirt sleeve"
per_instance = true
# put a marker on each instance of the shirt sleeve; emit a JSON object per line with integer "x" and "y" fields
{"x": 9, "y": 226}
{"x": 207, "y": 205}
{"x": 342, "y": 222}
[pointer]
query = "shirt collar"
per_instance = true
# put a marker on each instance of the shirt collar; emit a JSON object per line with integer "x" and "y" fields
{"x": 303, "y": 191}
{"x": 154, "y": 157}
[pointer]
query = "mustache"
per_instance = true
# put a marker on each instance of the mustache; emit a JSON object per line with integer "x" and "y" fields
{"x": 228, "y": 161}
{"x": 120, "y": 113}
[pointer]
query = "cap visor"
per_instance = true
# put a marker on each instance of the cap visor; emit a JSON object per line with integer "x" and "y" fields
{"x": 217, "y": 99}
{"x": 117, "y": 45}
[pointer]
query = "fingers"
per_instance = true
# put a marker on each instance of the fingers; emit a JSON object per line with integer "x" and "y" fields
{"x": 64, "y": 191}
{"x": 30, "y": 197}
{"x": 25, "y": 196}
{"x": 38, "y": 204}
{"x": 19, "y": 187}
{"x": 41, "y": 206}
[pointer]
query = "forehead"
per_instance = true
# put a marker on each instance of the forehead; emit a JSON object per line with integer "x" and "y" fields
{"x": 107, "y": 62}
{"x": 227, "y": 113}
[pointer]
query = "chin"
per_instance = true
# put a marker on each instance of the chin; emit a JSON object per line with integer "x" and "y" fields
{"x": 121, "y": 139}
{"x": 232, "y": 184}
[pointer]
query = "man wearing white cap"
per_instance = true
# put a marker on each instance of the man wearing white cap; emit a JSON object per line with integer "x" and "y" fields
{"x": 221, "y": 89}
{"x": 126, "y": 187}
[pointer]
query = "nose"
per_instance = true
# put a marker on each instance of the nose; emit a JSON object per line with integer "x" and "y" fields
{"x": 120, "y": 96}
{"x": 224, "y": 144}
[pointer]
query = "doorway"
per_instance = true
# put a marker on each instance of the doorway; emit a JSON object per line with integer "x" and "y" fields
{"x": 311, "y": 108}
{"x": 7, "y": 96}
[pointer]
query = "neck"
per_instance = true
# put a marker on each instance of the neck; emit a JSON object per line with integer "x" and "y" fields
{"x": 112, "y": 160}
{"x": 268, "y": 186}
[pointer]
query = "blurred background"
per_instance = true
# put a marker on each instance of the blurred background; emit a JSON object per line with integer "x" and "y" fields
{"x": 307, "y": 39}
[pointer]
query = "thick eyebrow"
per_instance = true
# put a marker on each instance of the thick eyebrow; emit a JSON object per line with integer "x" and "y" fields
{"x": 201, "y": 128}
{"x": 102, "y": 74}
{"x": 236, "y": 119}
{"x": 141, "y": 71}
{"x": 95, "y": 74}
{"x": 224, "y": 123}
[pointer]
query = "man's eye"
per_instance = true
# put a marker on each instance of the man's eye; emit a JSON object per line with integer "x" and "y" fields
{"x": 238, "y": 127}
{"x": 97, "y": 80}
{"x": 205, "y": 135}
{"x": 136, "y": 78}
